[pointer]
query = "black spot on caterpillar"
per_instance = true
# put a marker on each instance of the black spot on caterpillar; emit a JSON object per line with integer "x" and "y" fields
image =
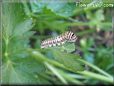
{"x": 59, "y": 40}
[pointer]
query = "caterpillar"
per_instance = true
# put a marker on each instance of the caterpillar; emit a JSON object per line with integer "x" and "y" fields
{"x": 59, "y": 40}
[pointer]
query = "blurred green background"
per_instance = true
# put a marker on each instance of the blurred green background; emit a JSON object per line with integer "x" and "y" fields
{"x": 26, "y": 23}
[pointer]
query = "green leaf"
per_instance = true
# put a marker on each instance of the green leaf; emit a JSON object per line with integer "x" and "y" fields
{"x": 13, "y": 74}
{"x": 64, "y": 9}
{"x": 69, "y": 47}
{"x": 69, "y": 60}
{"x": 99, "y": 15}
{"x": 17, "y": 45}
{"x": 18, "y": 67}
{"x": 10, "y": 17}
{"x": 29, "y": 65}
{"x": 23, "y": 27}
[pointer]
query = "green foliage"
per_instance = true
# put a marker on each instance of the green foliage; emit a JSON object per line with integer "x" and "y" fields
{"x": 17, "y": 67}
{"x": 107, "y": 63}
{"x": 26, "y": 24}
{"x": 59, "y": 8}
{"x": 69, "y": 60}
{"x": 85, "y": 46}
{"x": 50, "y": 12}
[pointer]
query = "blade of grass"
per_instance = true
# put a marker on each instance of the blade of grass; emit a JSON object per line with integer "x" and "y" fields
{"x": 69, "y": 78}
{"x": 38, "y": 56}
{"x": 96, "y": 68}
{"x": 77, "y": 76}
{"x": 55, "y": 71}
{"x": 97, "y": 76}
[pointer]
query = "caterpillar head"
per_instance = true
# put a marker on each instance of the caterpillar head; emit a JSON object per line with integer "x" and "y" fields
{"x": 70, "y": 36}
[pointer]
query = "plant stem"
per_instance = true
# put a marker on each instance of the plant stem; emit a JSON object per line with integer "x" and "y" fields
{"x": 97, "y": 76}
{"x": 96, "y": 68}
{"x": 55, "y": 71}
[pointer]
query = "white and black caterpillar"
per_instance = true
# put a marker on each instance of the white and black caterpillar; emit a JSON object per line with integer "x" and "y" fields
{"x": 59, "y": 40}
